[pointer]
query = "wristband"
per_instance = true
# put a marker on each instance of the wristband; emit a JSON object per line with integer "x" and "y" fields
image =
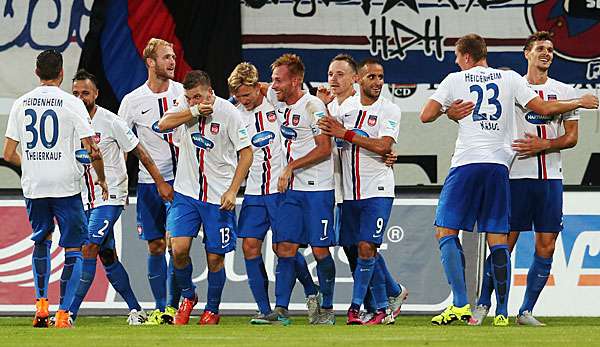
{"x": 195, "y": 110}
{"x": 349, "y": 135}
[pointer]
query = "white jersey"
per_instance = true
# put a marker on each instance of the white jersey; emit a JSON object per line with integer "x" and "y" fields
{"x": 267, "y": 162}
{"x": 49, "y": 123}
{"x": 208, "y": 151}
{"x": 114, "y": 138}
{"x": 334, "y": 110}
{"x": 543, "y": 165}
{"x": 299, "y": 128}
{"x": 365, "y": 173}
{"x": 142, "y": 109}
{"x": 486, "y": 135}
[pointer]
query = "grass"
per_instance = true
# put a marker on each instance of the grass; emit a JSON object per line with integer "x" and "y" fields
{"x": 408, "y": 330}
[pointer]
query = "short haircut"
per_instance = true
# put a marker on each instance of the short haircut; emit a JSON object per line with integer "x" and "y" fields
{"x": 196, "y": 78}
{"x": 293, "y": 62}
{"x": 244, "y": 74}
{"x": 82, "y": 75}
{"x": 152, "y": 47}
{"x": 537, "y": 36}
{"x": 474, "y": 45}
{"x": 369, "y": 61}
{"x": 48, "y": 65}
{"x": 348, "y": 59}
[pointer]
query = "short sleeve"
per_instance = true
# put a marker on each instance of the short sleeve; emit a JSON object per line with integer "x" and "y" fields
{"x": 82, "y": 121}
{"x": 315, "y": 110}
{"x": 443, "y": 94}
{"x": 12, "y": 128}
{"x": 391, "y": 122}
{"x": 125, "y": 112}
{"x": 237, "y": 129}
{"x": 521, "y": 90}
{"x": 124, "y": 136}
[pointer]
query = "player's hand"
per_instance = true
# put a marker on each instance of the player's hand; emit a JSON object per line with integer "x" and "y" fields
{"x": 589, "y": 101}
{"x": 459, "y": 109}
{"x": 390, "y": 159}
{"x": 530, "y": 145}
{"x": 104, "y": 187}
{"x": 165, "y": 191}
{"x": 325, "y": 94}
{"x": 228, "y": 200}
{"x": 284, "y": 179}
{"x": 331, "y": 127}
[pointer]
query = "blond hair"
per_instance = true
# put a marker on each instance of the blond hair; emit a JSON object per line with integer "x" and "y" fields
{"x": 244, "y": 74}
{"x": 293, "y": 62}
{"x": 152, "y": 47}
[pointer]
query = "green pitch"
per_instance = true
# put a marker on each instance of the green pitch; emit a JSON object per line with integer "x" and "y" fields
{"x": 408, "y": 330}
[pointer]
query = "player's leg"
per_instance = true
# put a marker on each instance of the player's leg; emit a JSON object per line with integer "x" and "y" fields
{"x": 42, "y": 225}
{"x": 174, "y": 295}
{"x": 220, "y": 236}
{"x": 318, "y": 219}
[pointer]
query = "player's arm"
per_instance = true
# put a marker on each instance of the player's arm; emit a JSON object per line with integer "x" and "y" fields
{"x": 531, "y": 144}
{"x": 164, "y": 189}
{"x": 183, "y": 114}
{"x": 10, "y": 153}
{"x": 241, "y": 171}
{"x": 331, "y": 127}
{"x": 97, "y": 162}
{"x": 431, "y": 111}
{"x": 555, "y": 107}
{"x": 321, "y": 152}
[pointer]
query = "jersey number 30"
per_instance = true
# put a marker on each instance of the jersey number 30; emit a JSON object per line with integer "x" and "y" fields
{"x": 40, "y": 132}
{"x": 477, "y": 116}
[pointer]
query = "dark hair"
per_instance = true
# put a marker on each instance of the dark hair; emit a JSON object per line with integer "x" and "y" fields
{"x": 195, "y": 78}
{"x": 474, "y": 45}
{"x": 537, "y": 36}
{"x": 348, "y": 59}
{"x": 369, "y": 61}
{"x": 48, "y": 65}
{"x": 82, "y": 75}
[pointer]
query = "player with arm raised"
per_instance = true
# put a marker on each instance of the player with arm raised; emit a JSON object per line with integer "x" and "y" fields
{"x": 477, "y": 188}
{"x": 49, "y": 126}
{"x": 142, "y": 109}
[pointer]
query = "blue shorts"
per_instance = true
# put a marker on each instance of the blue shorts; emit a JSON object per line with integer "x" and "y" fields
{"x": 151, "y": 212}
{"x": 258, "y": 214}
{"x": 187, "y": 215}
{"x": 538, "y": 203}
{"x": 101, "y": 221}
{"x": 475, "y": 193}
{"x": 337, "y": 227}
{"x": 365, "y": 220}
{"x": 69, "y": 215}
{"x": 306, "y": 218}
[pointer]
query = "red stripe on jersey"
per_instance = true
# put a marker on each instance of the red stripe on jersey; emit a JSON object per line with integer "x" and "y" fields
{"x": 357, "y": 156}
{"x": 544, "y": 170}
{"x": 541, "y": 94}
{"x": 268, "y": 159}
{"x": 201, "y": 163}
{"x": 362, "y": 119}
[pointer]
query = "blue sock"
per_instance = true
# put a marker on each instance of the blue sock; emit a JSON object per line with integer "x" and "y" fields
{"x": 392, "y": 288}
{"x": 500, "y": 257}
{"x": 259, "y": 283}
{"x": 378, "y": 286}
{"x": 174, "y": 292}
{"x": 304, "y": 276}
{"x": 369, "y": 301}
{"x": 285, "y": 278}
{"x": 454, "y": 266}
{"x": 487, "y": 284}
{"x": 69, "y": 279}
{"x": 41, "y": 267}
{"x": 216, "y": 283}
{"x": 326, "y": 274}
{"x": 117, "y": 275}
{"x": 536, "y": 280}
{"x": 184, "y": 281}
{"x": 88, "y": 272}
{"x": 362, "y": 279}
{"x": 157, "y": 276}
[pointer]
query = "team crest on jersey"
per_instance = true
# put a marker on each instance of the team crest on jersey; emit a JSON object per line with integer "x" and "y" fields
{"x": 175, "y": 102}
{"x": 552, "y": 97}
{"x": 97, "y": 138}
{"x": 214, "y": 128}
{"x": 202, "y": 142}
{"x": 372, "y": 120}
{"x": 295, "y": 119}
{"x": 271, "y": 116}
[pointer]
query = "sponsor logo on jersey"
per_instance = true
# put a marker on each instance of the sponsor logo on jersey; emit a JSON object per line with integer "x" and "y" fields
{"x": 295, "y": 119}
{"x": 214, "y": 128}
{"x": 202, "y": 142}
{"x": 288, "y": 132}
{"x": 82, "y": 156}
{"x": 537, "y": 119}
{"x": 156, "y": 129}
{"x": 339, "y": 143}
{"x": 262, "y": 139}
{"x": 372, "y": 120}
{"x": 97, "y": 137}
{"x": 271, "y": 116}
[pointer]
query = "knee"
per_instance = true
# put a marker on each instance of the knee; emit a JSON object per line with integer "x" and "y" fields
{"x": 320, "y": 252}
{"x": 108, "y": 257}
{"x": 286, "y": 250}
{"x": 157, "y": 247}
{"x": 545, "y": 250}
{"x": 251, "y": 248}
{"x": 366, "y": 250}
{"x": 90, "y": 251}
{"x": 180, "y": 257}
{"x": 215, "y": 262}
